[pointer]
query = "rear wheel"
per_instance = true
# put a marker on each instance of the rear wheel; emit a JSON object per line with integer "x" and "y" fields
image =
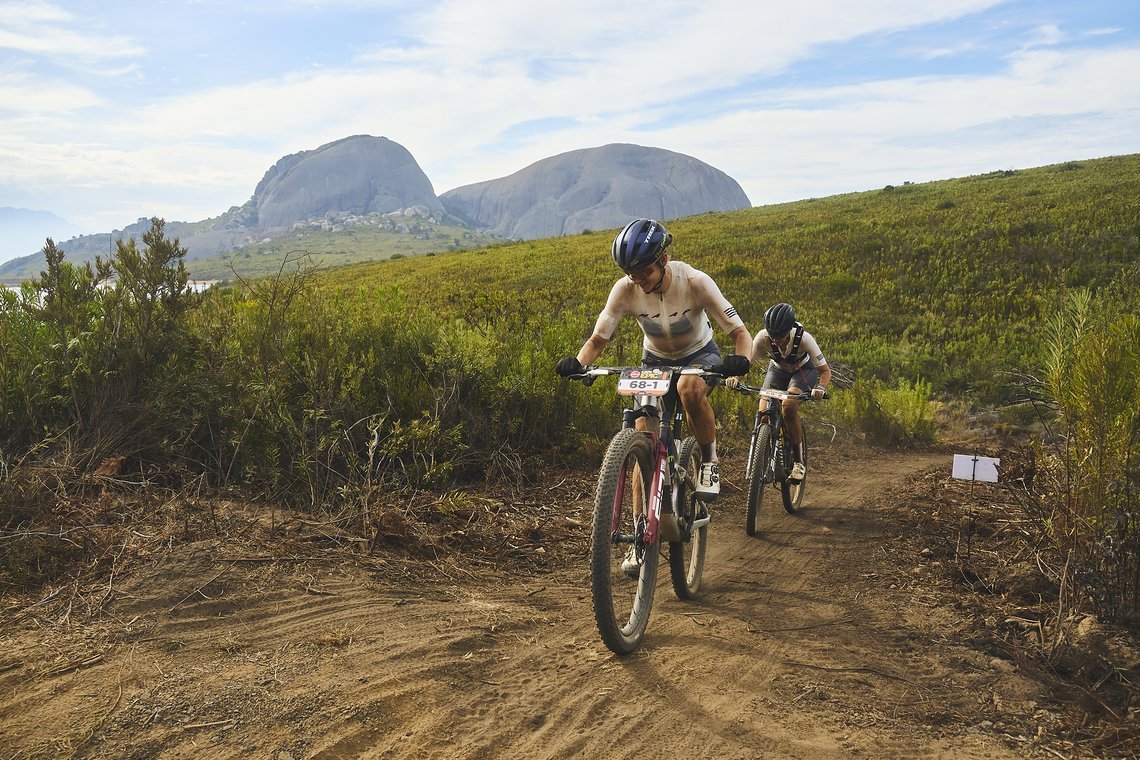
{"x": 792, "y": 491}
{"x": 687, "y": 556}
{"x": 621, "y": 603}
{"x": 761, "y": 456}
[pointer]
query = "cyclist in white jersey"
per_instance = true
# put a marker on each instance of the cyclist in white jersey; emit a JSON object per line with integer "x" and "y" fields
{"x": 795, "y": 364}
{"x": 672, "y": 302}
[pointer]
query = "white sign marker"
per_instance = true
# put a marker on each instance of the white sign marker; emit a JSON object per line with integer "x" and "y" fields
{"x": 971, "y": 467}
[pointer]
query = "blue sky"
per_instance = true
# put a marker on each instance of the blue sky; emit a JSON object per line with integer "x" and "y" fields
{"x": 111, "y": 111}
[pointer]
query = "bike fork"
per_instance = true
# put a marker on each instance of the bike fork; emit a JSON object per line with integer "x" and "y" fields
{"x": 656, "y": 493}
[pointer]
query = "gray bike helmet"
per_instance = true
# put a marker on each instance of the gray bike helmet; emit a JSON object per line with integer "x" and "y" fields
{"x": 640, "y": 243}
{"x": 779, "y": 319}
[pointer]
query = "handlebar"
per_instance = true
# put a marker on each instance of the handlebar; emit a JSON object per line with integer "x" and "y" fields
{"x": 593, "y": 373}
{"x": 773, "y": 393}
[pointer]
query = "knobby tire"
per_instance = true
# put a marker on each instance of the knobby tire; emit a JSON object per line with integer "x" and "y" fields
{"x": 761, "y": 456}
{"x": 687, "y": 558}
{"x": 621, "y": 604}
{"x": 792, "y": 493}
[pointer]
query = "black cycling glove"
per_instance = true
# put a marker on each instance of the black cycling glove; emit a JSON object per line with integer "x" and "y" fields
{"x": 735, "y": 364}
{"x": 569, "y": 366}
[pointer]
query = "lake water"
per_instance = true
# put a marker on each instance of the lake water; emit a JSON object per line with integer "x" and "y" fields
{"x": 196, "y": 285}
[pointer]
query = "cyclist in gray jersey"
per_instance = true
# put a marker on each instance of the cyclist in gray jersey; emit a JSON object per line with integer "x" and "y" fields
{"x": 672, "y": 302}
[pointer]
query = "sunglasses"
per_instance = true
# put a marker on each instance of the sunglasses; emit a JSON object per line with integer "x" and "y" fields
{"x": 642, "y": 274}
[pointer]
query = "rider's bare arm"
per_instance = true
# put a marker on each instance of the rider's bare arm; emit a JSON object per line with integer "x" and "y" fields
{"x": 607, "y": 322}
{"x": 592, "y": 349}
{"x": 742, "y": 340}
{"x": 824, "y": 376}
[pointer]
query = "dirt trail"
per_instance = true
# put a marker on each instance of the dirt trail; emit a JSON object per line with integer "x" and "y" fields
{"x": 797, "y": 647}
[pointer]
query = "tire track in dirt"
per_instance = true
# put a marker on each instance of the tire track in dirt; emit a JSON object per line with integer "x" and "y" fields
{"x": 332, "y": 660}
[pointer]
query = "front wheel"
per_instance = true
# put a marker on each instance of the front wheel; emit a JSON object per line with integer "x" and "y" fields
{"x": 622, "y": 603}
{"x": 761, "y": 456}
{"x": 792, "y": 491}
{"x": 687, "y": 556}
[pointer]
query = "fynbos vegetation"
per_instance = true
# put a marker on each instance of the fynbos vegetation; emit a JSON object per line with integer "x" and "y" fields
{"x": 320, "y": 388}
{"x": 1083, "y": 482}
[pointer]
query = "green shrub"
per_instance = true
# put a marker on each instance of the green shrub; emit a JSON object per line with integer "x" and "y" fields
{"x": 904, "y": 414}
{"x": 841, "y": 284}
{"x": 735, "y": 270}
{"x": 1088, "y": 480}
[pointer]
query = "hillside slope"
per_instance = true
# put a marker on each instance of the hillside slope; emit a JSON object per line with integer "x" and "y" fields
{"x": 947, "y": 280}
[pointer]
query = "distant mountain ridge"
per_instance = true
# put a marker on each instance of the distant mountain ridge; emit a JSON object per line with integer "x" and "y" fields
{"x": 22, "y": 229}
{"x": 362, "y": 179}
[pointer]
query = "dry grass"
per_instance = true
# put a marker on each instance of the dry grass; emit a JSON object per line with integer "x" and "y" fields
{"x": 982, "y": 551}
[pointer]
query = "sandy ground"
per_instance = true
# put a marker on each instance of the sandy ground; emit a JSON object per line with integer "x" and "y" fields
{"x": 805, "y": 642}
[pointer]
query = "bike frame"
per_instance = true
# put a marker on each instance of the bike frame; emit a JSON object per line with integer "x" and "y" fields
{"x": 773, "y": 414}
{"x": 670, "y": 415}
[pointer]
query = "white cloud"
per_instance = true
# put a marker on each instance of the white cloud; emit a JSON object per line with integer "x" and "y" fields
{"x": 21, "y": 93}
{"x": 1081, "y": 104}
{"x": 43, "y": 29}
{"x": 27, "y": 13}
{"x": 949, "y": 51}
{"x": 1048, "y": 35}
{"x": 468, "y": 78}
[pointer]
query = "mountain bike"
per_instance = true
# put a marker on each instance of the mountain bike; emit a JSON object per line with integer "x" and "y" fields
{"x": 770, "y": 458}
{"x": 645, "y": 496}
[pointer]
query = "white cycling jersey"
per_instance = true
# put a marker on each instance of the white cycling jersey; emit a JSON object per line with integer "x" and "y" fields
{"x": 807, "y": 350}
{"x": 676, "y": 322}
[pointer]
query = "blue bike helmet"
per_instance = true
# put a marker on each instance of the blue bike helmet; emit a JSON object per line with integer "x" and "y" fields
{"x": 639, "y": 244}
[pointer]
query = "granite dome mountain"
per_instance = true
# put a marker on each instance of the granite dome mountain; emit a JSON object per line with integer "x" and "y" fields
{"x": 357, "y": 175}
{"x": 366, "y": 179}
{"x": 595, "y": 189}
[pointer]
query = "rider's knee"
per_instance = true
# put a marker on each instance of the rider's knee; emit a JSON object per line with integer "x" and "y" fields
{"x": 692, "y": 389}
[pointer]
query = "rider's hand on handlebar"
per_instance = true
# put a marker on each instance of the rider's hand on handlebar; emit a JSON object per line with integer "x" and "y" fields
{"x": 818, "y": 392}
{"x": 569, "y": 366}
{"x": 735, "y": 364}
{"x": 731, "y": 382}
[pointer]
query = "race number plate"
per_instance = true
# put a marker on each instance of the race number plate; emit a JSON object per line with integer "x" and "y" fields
{"x": 651, "y": 381}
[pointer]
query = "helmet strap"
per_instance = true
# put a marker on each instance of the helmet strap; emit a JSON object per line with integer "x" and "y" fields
{"x": 664, "y": 264}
